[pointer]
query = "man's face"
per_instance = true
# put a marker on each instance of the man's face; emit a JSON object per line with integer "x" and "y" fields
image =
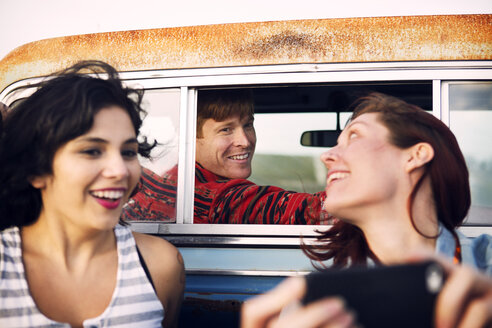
{"x": 226, "y": 148}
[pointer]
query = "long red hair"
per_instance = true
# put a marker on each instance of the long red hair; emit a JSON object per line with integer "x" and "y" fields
{"x": 408, "y": 125}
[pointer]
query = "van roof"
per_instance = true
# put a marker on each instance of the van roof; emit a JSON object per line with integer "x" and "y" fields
{"x": 341, "y": 40}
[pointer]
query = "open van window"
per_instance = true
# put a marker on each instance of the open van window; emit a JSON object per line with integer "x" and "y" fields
{"x": 283, "y": 113}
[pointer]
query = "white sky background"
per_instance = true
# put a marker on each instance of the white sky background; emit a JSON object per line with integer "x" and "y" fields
{"x": 23, "y": 21}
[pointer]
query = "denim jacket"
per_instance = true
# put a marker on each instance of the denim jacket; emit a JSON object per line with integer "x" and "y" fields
{"x": 475, "y": 251}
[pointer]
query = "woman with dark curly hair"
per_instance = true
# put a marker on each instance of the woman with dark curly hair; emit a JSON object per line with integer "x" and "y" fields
{"x": 68, "y": 163}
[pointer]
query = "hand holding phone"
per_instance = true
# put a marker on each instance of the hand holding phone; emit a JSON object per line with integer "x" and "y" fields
{"x": 390, "y": 296}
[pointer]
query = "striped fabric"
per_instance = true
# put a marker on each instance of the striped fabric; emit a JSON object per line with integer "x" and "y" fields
{"x": 133, "y": 304}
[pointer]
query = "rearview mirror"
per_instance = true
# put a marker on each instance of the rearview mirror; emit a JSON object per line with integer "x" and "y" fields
{"x": 320, "y": 138}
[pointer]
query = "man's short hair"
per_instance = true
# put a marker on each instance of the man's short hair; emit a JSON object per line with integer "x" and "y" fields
{"x": 223, "y": 104}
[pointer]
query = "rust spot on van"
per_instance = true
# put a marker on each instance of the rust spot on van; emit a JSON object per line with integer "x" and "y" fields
{"x": 283, "y": 43}
{"x": 207, "y": 305}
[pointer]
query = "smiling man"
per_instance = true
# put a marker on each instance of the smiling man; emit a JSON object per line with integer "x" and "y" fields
{"x": 225, "y": 146}
{"x": 226, "y": 137}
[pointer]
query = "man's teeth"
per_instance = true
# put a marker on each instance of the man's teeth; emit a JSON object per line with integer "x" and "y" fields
{"x": 111, "y": 194}
{"x": 239, "y": 157}
{"x": 336, "y": 176}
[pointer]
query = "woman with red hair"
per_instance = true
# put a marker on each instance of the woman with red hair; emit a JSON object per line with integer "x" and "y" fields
{"x": 398, "y": 185}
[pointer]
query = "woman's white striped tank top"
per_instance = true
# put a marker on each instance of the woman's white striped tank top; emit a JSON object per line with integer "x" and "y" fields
{"x": 133, "y": 304}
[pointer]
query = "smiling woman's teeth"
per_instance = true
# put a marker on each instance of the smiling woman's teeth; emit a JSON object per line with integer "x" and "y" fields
{"x": 336, "y": 176}
{"x": 239, "y": 157}
{"x": 110, "y": 194}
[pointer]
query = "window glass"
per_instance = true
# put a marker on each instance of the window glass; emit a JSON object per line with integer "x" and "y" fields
{"x": 162, "y": 124}
{"x": 470, "y": 106}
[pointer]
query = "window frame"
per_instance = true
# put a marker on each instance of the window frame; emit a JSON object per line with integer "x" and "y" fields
{"x": 191, "y": 80}
{"x": 440, "y": 74}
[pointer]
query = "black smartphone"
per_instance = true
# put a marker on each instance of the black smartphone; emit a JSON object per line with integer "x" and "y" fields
{"x": 385, "y": 296}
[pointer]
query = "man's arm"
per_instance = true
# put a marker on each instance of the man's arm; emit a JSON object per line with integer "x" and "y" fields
{"x": 241, "y": 201}
{"x": 224, "y": 201}
{"x": 155, "y": 199}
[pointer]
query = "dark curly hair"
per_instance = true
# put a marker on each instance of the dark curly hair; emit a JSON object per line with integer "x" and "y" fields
{"x": 62, "y": 108}
{"x": 408, "y": 125}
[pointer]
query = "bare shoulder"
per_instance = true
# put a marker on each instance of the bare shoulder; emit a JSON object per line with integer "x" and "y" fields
{"x": 145, "y": 241}
{"x": 160, "y": 255}
{"x": 166, "y": 268}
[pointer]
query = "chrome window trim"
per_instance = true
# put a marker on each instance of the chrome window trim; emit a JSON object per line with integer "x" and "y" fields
{"x": 186, "y": 166}
{"x": 436, "y": 98}
{"x": 189, "y": 186}
{"x": 297, "y": 68}
{"x": 267, "y": 234}
{"x": 7, "y": 96}
{"x": 262, "y": 273}
{"x": 193, "y": 240}
{"x": 293, "y": 73}
{"x": 319, "y": 77}
{"x": 445, "y": 102}
{"x": 270, "y": 230}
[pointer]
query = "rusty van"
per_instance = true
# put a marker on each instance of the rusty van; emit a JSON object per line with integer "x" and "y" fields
{"x": 302, "y": 73}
